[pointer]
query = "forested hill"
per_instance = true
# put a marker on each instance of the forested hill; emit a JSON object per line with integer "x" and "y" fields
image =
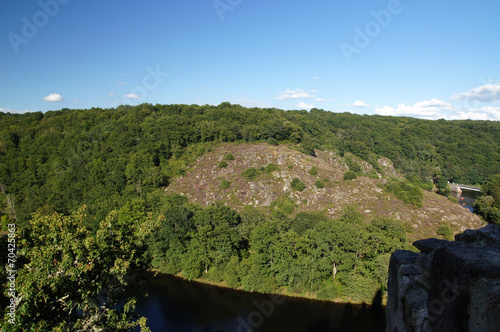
{"x": 104, "y": 157}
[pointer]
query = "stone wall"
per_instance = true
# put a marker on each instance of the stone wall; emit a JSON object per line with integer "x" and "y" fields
{"x": 448, "y": 286}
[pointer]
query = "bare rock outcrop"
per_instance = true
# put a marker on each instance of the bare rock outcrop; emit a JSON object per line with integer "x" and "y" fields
{"x": 448, "y": 286}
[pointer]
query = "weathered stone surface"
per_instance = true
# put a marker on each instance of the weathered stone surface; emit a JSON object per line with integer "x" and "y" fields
{"x": 428, "y": 245}
{"x": 449, "y": 286}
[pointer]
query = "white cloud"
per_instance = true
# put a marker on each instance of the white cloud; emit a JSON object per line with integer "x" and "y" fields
{"x": 120, "y": 83}
{"x": 132, "y": 96}
{"x": 294, "y": 94}
{"x": 483, "y": 113}
{"x": 485, "y": 93}
{"x": 323, "y": 100}
{"x": 434, "y": 104}
{"x": 429, "y": 109}
{"x": 314, "y": 91}
{"x": 360, "y": 103}
{"x": 304, "y": 105}
{"x": 53, "y": 97}
{"x": 112, "y": 93}
{"x": 316, "y": 78}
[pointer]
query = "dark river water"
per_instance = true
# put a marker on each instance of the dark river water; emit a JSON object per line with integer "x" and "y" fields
{"x": 174, "y": 304}
{"x": 466, "y": 198}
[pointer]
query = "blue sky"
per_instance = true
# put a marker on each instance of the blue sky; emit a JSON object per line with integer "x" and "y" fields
{"x": 419, "y": 58}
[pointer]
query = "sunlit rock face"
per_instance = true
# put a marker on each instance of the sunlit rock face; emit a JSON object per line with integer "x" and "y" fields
{"x": 448, "y": 286}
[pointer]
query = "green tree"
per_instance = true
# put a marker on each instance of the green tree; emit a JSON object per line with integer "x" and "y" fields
{"x": 75, "y": 280}
{"x": 215, "y": 238}
{"x": 232, "y": 272}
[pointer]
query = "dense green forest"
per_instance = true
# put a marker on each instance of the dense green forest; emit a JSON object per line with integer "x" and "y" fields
{"x": 72, "y": 277}
{"x": 105, "y": 157}
{"x": 85, "y": 192}
{"x": 308, "y": 254}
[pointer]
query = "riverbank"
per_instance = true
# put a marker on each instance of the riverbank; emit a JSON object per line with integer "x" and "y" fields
{"x": 283, "y": 292}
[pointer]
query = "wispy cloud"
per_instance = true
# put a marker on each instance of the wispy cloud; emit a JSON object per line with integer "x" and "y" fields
{"x": 360, "y": 103}
{"x": 132, "y": 96}
{"x": 316, "y": 78}
{"x": 322, "y": 100}
{"x": 53, "y": 97}
{"x": 304, "y": 105}
{"x": 485, "y": 93}
{"x": 294, "y": 94}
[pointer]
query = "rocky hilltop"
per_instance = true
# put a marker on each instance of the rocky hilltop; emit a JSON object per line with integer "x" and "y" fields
{"x": 219, "y": 175}
{"x": 449, "y": 286}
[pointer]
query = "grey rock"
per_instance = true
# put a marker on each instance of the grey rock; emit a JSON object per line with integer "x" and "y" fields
{"x": 449, "y": 286}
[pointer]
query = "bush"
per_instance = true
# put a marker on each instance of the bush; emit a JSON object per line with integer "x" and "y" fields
{"x": 271, "y": 167}
{"x": 353, "y": 166}
{"x": 273, "y": 141}
{"x": 319, "y": 184}
{"x": 442, "y": 184}
{"x": 350, "y": 175}
{"x": 223, "y": 164}
{"x": 445, "y": 232}
{"x": 452, "y": 199}
{"x": 283, "y": 204}
{"x": 405, "y": 191}
{"x": 229, "y": 157}
{"x": 298, "y": 185}
{"x": 250, "y": 174}
{"x": 313, "y": 171}
{"x": 225, "y": 184}
{"x": 215, "y": 274}
{"x": 330, "y": 290}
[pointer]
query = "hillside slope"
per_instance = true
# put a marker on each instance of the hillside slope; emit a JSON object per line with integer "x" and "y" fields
{"x": 203, "y": 184}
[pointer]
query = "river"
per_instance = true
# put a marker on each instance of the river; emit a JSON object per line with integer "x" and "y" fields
{"x": 177, "y": 305}
{"x": 466, "y": 198}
